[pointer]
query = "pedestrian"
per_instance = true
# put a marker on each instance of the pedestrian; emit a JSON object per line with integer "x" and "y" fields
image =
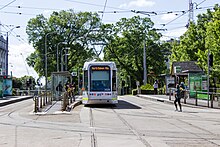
{"x": 182, "y": 90}
{"x": 155, "y": 86}
{"x": 59, "y": 88}
{"x": 178, "y": 98}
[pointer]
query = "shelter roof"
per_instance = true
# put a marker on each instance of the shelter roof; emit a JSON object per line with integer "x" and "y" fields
{"x": 185, "y": 67}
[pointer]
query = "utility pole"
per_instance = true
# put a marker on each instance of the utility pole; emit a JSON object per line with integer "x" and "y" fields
{"x": 144, "y": 63}
{"x": 208, "y": 78}
{"x": 45, "y": 43}
{"x": 190, "y": 13}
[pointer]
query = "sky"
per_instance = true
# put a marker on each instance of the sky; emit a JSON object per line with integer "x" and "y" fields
{"x": 172, "y": 16}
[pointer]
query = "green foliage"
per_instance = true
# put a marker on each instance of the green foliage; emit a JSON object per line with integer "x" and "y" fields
{"x": 125, "y": 44}
{"x": 76, "y": 29}
{"x": 198, "y": 39}
{"x": 20, "y": 83}
{"x": 147, "y": 87}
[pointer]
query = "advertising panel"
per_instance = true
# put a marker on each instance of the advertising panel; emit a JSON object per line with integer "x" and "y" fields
{"x": 7, "y": 87}
{"x": 198, "y": 85}
{"x": 170, "y": 83}
{"x": 1, "y": 87}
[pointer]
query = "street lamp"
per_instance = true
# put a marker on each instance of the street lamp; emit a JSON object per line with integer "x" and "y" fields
{"x": 7, "y": 34}
{"x": 58, "y": 54}
{"x": 46, "y": 62}
{"x": 62, "y": 57}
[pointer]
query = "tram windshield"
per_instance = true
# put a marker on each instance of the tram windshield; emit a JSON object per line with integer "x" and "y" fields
{"x": 100, "y": 79}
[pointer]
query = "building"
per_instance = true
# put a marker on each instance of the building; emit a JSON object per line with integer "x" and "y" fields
{"x": 181, "y": 70}
{"x": 3, "y": 56}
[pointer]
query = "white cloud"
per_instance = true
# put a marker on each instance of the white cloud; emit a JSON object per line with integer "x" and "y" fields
{"x": 138, "y": 3}
{"x": 168, "y": 17}
{"x": 16, "y": 59}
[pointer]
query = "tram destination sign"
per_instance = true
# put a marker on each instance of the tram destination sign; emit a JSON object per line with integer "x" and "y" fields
{"x": 100, "y": 68}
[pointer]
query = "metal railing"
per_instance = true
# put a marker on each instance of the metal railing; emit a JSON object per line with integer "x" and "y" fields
{"x": 41, "y": 101}
{"x": 200, "y": 98}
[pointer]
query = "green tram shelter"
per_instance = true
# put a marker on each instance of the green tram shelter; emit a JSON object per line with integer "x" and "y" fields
{"x": 59, "y": 77}
{"x": 193, "y": 77}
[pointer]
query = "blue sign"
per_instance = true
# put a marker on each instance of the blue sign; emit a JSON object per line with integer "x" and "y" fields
{"x": 7, "y": 87}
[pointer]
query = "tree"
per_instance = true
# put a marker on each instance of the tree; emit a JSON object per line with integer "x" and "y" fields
{"x": 125, "y": 43}
{"x": 20, "y": 83}
{"x": 198, "y": 39}
{"x": 76, "y": 29}
{"x": 213, "y": 41}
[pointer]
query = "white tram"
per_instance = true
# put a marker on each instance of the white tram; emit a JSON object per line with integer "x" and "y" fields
{"x": 99, "y": 83}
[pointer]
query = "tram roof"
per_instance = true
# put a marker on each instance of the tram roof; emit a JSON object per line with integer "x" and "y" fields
{"x": 88, "y": 64}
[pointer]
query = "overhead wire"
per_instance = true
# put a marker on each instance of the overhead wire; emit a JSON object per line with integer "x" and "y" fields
{"x": 104, "y": 9}
{"x": 7, "y": 28}
{"x": 17, "y": 13}
{"x": 7, "y": 4}
{"x": 97, "y": 5}
{"x": 37, "y": 8}
{"x": 182, "y": 14}
{"x": 201, "y": 2}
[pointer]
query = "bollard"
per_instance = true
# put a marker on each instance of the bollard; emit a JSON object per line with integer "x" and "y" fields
{"x": 184, "y": 96}
{"x": 212, "y": 100}
{"x": 35, "y": 104}
{"x": 218, "y": 102}
{"x": 64, "y": 105}
{"x": 71, "y": 97}
{"x": 170, "y": 94}
{"x": 44, "y": 100}
{"x": 196, "y": 99}
{"x": 41, "y": 105}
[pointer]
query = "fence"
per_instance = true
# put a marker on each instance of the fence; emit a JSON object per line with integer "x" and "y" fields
{"x": 200, "y": 98}
{"x": 41, "y": 100}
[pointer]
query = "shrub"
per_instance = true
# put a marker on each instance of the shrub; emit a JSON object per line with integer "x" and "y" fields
{"x": 147, "y": 87}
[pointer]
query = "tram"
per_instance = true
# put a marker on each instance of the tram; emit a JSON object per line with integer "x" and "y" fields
{"x": 99, "y": 83}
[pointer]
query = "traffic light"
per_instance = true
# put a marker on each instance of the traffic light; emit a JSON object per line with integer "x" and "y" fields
{"x": 27, "y": 83}
{"x": 4, "y": 77}
{"x": 211, "y": 60}
{"x": 123, "y": 83}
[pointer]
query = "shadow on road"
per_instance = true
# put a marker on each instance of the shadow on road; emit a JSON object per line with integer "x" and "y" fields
{"x": 121, "y": 105}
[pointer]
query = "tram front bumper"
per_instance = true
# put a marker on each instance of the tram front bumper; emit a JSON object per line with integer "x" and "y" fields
{"x": 99, "y": 101}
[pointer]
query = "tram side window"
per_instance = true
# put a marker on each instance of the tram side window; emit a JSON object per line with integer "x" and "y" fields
{"x": 114, "y": 80}
{"x": 86, "y": 80}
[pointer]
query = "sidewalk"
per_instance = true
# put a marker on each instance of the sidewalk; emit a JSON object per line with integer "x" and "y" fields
{"x": 191, "y": 102}
{"x": 56, "y": 106}
{"x": 13, "y": 99}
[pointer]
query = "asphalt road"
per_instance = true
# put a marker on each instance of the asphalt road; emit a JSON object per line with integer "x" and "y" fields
{"x": 134, "y": 122}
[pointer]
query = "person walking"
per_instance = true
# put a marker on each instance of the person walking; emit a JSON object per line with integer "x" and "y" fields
{"x": 155, "y": 86}
{"x": 59, "y": 88}
{"x": 178, "y": 98}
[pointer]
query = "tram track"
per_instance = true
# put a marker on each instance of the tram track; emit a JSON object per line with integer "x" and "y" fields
{"x": 185, "y": 122}
{"x": 93, "y": 135}
{"x": 134, "y": 131}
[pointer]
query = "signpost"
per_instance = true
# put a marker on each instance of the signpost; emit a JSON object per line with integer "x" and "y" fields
{"x": 74, "y": 74}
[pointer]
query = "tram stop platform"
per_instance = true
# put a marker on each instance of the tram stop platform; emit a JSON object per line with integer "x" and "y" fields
{"x": 190, "y": 102}
{"x": 56, "y": 106}
{"x": 13, "y": 99}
